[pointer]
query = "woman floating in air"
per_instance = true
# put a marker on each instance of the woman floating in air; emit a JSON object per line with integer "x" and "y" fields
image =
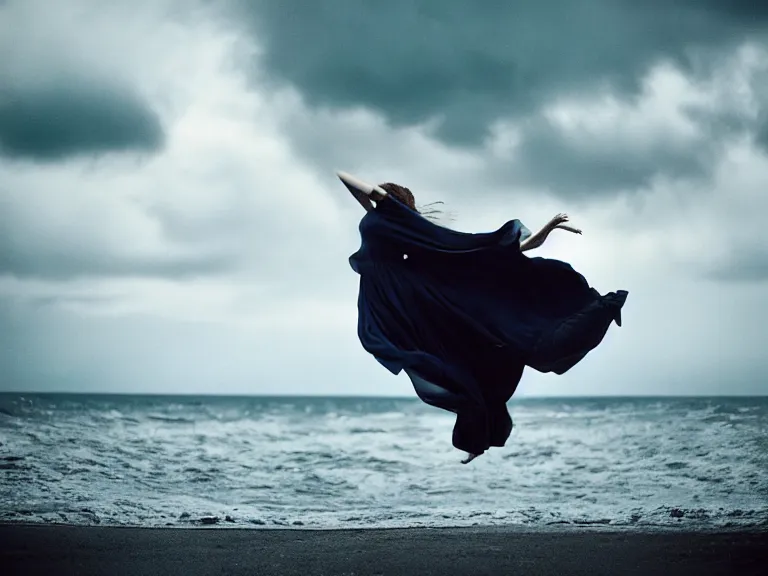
{"x": 463, "y": 314}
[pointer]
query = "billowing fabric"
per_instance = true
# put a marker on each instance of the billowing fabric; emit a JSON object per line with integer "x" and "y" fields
{"x": 463, "y": 314}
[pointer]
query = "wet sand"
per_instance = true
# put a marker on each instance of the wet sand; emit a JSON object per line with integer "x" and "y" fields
{"x": 62, "y": 550}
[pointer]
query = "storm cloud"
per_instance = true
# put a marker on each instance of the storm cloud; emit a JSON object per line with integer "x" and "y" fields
{"x": 744, "y": 265}
{"x": 460, "y": 69}
{"x": 70, "y": 117}
{"x": 469, "y": 65}
{"x": 68, "y": 84}
{"x": 67, "y": 262}
{"x": 170, "y": 220}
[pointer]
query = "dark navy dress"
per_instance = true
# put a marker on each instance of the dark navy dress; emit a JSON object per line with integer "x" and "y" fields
{"x": 463, "y": 314}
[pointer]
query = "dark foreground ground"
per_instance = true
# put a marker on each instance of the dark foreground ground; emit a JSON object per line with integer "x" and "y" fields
{"x": 61, "y": 550}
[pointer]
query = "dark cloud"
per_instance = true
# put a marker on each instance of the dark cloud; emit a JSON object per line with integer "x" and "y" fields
{"x": 746, "y": 265}
{"x": 64, "y": 119}
{"x": 466, "y": 66}
{"x": 68, "y": 264}
{"x": 761, "y": 131}
{"x": 579, "y": 168}
{"x": 52, "y": 301}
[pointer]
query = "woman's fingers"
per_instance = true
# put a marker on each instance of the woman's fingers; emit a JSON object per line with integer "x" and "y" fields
{"x": 569, "y": 228}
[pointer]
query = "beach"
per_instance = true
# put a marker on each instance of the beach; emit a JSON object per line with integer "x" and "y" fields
{"x": 114, "y": 551}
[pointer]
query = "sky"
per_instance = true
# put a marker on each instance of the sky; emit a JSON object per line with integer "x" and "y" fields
{"x": 171, "y": 222}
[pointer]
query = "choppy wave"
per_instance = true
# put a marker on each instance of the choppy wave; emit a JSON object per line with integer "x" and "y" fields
{"x": 330, "y": 463}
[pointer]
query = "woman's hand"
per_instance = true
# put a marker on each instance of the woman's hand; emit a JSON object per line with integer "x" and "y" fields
{"x": 538, "y": 239}
{"x": 559, "y": 222}
{"x": 376, "y": 196}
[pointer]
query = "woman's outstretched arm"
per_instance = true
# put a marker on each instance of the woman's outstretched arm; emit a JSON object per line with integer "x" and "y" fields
{"x": 363, "y": 192}
{"x": 538, "y": 239}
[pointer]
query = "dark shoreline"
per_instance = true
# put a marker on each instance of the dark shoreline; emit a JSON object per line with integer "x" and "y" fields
{"x": 45, "y": 549}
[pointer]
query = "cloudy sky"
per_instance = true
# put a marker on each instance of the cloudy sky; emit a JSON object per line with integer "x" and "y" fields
{"x": 170, "y": 220}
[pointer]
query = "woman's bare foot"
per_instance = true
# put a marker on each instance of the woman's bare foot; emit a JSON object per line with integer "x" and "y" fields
{"x": 469, "y": 458}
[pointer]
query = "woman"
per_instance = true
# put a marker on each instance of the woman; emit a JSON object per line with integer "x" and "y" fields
{"x": 463, "y": 314}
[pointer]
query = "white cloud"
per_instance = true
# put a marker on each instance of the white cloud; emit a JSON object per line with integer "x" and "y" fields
{"x": 235, "y": 183}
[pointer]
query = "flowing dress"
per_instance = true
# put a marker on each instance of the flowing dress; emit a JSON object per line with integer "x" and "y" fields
{"x": 463, "y": 314}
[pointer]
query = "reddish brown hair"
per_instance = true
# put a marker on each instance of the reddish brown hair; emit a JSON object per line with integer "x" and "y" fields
{"x": 401, "y": 193}
{"x": 405, "y": 196}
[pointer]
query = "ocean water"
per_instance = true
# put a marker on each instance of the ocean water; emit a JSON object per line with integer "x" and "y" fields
{"x": 345, "y": 462}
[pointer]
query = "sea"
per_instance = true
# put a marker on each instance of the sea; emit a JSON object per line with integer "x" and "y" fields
{"x": 294, "y": 462}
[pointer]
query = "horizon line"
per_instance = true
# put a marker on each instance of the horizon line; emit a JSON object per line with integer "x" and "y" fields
{"x": 370, "y": 396}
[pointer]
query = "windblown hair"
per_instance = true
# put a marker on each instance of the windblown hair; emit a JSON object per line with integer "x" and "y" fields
{"x": 406, "y": 197}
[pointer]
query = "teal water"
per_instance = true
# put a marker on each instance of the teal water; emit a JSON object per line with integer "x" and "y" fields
{"x": 366, "y": 462}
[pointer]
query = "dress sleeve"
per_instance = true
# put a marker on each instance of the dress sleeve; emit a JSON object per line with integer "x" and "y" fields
{"x": 398, "y": 224}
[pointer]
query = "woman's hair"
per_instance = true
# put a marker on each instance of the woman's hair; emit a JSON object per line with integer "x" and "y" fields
{"x": 406, "y": 197}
